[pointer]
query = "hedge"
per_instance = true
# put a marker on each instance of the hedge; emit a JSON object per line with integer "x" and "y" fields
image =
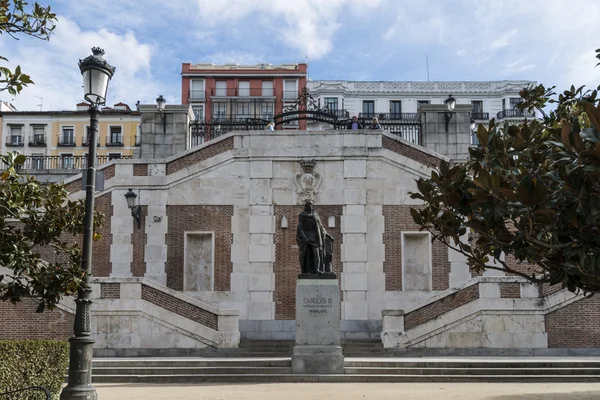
{"x": 25, "y": 363}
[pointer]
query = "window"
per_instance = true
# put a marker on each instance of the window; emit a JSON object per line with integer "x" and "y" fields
{"x": 395, "y": 109}
{"x": 37, "y": 161}
{"x": 368, "y": 108}
{"x": 331, "y": 103}
{"x": 267, "y": 110}
{"x": 115, "y": 136}
{"x": 267, "y": 88}
{"x": 514, "y": 101}
{"x": 197, "y": 89}
{"x": 114, "y": 156}
{"x": 290, "y": 90}
{"x": 421, "y": 103}
{"x": 221, "y": 88}
{"x": 243, "y": 110}
{"x": 219, "y": 110}
{"x": 67, "y": 161}
{"x": 198, "y": 111}
{"x": 39, "y": 137}
{"x": 16, "y": 135}
{"x": 504, "y": 104}
{"x": 68, "y": 136}
{"x": 477, "y": 106}
{"x": 244, "y": 88}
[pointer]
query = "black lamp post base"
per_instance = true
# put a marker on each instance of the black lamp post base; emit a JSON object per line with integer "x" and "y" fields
{"x": 80, "y": 373}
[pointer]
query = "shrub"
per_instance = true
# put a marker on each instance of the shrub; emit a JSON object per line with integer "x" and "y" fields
{"x": 25, "y": 363}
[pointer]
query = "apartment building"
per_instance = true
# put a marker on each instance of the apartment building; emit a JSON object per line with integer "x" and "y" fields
{"x": 60, "y": 139}
{"x": 232, "y": 96}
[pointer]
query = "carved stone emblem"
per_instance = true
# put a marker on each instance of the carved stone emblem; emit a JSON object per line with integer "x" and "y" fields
{"x": 307, "y": 181}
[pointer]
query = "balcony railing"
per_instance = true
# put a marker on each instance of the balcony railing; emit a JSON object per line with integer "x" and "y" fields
{"x": 14, "y": 141}
{"x": 115, "y": 143}
{"x": 477, "y": 116}
{"x": 66, "y": 141}
{"x": 86, "y": 142}
{"x": 513, "y": 113}
{"x": 37, "y": 141}
{"x": 290, "y": 95}
{"x": 243, "y": 92}
{"x": 61, "y": 162}
{"x": 197, "y": 94}
{"x": 389, "y": 116}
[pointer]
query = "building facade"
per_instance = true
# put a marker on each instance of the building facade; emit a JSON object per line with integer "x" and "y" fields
{"x": 232, "y": 96}
{"x": 59, "y": 139}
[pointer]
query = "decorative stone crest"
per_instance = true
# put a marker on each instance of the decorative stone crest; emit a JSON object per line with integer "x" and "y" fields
{"x": 307, "y": 181}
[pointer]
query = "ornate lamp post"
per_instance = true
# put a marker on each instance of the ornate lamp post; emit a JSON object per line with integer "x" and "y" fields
{"x": 450, "y": 103}
{"x": 160, "y": 105}
{"x": 96, "y": 75}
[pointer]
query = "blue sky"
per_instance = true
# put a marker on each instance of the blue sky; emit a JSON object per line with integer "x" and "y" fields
{"x": 550, "y": 41}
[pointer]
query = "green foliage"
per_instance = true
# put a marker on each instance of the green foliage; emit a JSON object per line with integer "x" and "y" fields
{"x": 18, "y": 18}
{"x": 36, "y": 217}
{"x": 531, "y": 191}
{"x": 26, "y": 363}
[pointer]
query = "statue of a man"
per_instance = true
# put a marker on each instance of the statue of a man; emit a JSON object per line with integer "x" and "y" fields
{"x": 311, "y": 238}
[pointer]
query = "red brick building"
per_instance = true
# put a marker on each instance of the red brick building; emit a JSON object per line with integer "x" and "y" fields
{"x": 225, "y": 94}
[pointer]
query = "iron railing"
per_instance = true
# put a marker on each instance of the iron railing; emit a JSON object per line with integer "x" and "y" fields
{"x": 389, "y": 116}
{"x": 61, "y": 162}
{"x": 197, "y": 94}
{"x": 33, "y": 388}
{"x": 14, "y": 141}
{"x": 66, "y": 140}
{"x": 37, "y": 141}
{"x": 514, "y": 113}
{"x": 480, "y": 116}
{"x": 243, "y": 92}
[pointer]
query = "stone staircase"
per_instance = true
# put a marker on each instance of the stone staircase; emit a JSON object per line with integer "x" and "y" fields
{"x": 278, "y": 369}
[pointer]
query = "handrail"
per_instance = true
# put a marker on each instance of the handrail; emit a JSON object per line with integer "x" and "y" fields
{"x": 46, "y": 391}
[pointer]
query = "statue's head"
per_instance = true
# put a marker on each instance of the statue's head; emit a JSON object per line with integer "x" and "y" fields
{"x": 309, "y": 207}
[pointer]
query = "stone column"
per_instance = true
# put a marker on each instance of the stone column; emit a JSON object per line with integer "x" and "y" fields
{"x": 156, "y": 227}
{"x": 121, "y": 228}
{"x": 158, "y": 141}
{"x": 261, "y": 248}
{"x": 454, "y": 143}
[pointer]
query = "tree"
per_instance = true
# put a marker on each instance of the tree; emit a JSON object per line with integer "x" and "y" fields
{"x": 38, "y": 218}
{"x": 16, "y": 19}
{"x": 528, "y": 191}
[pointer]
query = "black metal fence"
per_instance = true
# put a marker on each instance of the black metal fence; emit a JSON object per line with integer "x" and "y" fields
{"x": 514, "y": 114}
{"x": 43, "y": 393}
{"x": 62, "y": 162}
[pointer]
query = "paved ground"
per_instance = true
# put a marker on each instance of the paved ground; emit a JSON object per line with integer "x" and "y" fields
{"x": 353, "y": 391}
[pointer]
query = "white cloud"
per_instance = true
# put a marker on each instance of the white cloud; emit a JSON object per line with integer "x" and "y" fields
{"x": 53, "y": 67}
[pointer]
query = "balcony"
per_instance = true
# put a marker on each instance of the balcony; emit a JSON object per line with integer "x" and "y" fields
{"x": 14, "y": 141}
{"x": 37, "y": 141}
{"x": 86, "y": 142}
{"x": 389, "y": 116}
{"x": 243, "y": 92}
{"x": 513, "y": 113}
{"x": 290, "y": 95}
{"x": 66, "y": 141}
{"x": 480, "y": 116}
{"x": 198, "y": 95}
{"x": 115, "y": 143}
{"x": 61, "y": 162}
{"x": 341, "y": 114}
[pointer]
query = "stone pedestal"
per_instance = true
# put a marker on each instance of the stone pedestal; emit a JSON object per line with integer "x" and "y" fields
{"x": 317, "y": 349}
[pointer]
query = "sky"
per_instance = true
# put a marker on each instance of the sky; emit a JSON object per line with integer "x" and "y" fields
{"x": 548, "y": 41}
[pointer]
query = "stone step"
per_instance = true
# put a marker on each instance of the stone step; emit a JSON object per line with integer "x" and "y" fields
{"x": 471, "y": 371}
{"x": 247, "y": 362}
{"x": 238, "y": 378}
{"x": 229, "y": 370}
{"x": 495, "y": 363}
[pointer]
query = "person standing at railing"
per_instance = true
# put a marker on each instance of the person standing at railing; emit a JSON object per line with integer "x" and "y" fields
{"x": 354, "y": 124}
{"x": 375, "y": 124}
{"x": 270, "y": 126}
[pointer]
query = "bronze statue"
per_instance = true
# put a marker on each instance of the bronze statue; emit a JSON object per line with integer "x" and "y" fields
{"x": 314, "y": 243}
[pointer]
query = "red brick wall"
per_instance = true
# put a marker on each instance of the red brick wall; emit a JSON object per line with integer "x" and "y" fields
{"x": 74, "y": 187}
{"x": 576, "y": 325}
{"x": 215, "y": 219}
{"x": 109, "y": 172}
{"x": 287, "y": 264}
{"x": 396, "y": 220}
{"x": 20, "y": 321}
{"x": 510, "y": 290}
{"x": 410, "y": 152}
{"x": 138, "y": 240}
{"x": 110, "y": 290}
{"x": 140, "y": 169}
{"x": 441, "y": 306}
{"x": 180, "y": 307}
{"x": 200, "y": 155}
{"x": 101, "y": 265}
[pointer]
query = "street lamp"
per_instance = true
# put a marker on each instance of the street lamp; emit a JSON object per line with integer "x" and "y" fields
{"x": 96, "y": 74}
{"x": 160, "y": 105}
{"x": 450, "y": 103}
{"x": 136, "y": 210}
